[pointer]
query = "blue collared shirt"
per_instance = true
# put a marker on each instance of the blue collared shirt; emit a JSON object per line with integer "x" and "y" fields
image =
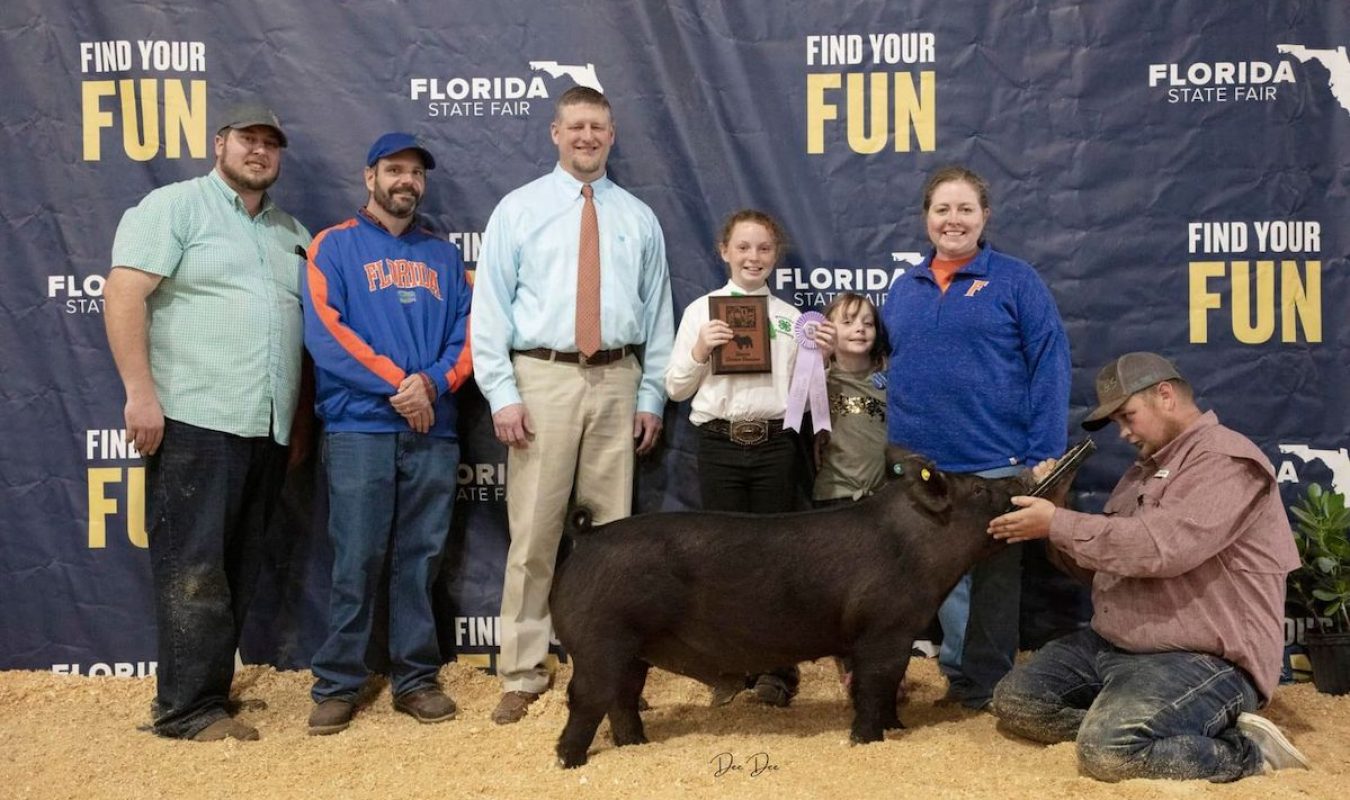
{"x": 525, "y": 286}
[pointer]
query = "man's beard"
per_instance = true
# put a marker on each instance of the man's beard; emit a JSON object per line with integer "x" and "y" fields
{"x": 253, "y": 184}
{"x": 402, "y": 209}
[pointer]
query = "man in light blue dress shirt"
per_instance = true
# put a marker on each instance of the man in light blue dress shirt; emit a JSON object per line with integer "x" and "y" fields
{"x": 572, "y": 421}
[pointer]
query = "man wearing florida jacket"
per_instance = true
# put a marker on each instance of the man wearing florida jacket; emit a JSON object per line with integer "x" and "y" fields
{"x": 386, "y": 321}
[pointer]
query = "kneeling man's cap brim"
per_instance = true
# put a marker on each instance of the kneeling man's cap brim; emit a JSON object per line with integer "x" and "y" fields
{"x": 1130, "y": 373}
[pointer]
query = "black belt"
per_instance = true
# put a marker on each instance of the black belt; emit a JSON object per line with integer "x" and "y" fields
{"x": 598, "y": 359}
{"x": 747, "y": 432}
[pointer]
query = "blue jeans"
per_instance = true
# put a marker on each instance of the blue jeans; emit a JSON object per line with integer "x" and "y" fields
{"x": 1133, "y": 715}
{"x": 390, "y": 496}
{"x": 980, "y": 625}
{"x": 209, "y": 497}
{"x": 952, "y": 616}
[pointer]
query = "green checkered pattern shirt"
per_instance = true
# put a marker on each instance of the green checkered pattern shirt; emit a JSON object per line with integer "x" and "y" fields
{"x": 225, "y": 323}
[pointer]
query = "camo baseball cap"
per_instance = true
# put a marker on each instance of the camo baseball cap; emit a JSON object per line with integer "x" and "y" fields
{"x": 250, "y": 113}
{"x": 1130, "y": 373}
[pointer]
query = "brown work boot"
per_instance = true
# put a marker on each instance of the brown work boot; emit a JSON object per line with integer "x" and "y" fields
{"x": 512, "y": 707}
{"x": 331, "y": 716}
{"x": 426, "y": 705}
{"x": 226, "y": 728}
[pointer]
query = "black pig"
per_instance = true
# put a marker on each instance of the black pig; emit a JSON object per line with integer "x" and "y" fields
{"x": 716, "y": 596}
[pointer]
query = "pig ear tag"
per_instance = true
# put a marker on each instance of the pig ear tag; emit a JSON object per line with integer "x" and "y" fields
{"x": 898, "y": 468}
{"x": 925, "y": 474}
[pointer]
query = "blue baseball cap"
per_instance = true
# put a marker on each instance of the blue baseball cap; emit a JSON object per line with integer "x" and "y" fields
{"x": 397, "y": 142}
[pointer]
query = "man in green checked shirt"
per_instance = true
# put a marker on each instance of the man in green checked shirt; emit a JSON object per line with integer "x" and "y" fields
{"x": 204, "y": 322}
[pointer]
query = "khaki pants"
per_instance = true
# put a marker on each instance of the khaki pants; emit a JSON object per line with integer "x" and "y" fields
{"x": 583, "y": 439}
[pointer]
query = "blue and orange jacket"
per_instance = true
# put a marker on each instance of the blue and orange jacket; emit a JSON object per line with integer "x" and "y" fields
{"x": 378, "y": 308}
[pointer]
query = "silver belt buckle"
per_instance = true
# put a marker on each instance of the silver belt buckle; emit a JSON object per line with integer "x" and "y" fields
{"x": 582, "y": 360}
{"x": 749, "y": 432}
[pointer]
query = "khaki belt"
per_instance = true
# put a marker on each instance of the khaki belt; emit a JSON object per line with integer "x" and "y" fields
{"x": 745, "y": 432}
{"x": 599, "y": 359}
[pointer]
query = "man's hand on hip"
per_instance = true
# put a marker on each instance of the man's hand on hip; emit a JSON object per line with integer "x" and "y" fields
{"x": 646, "y": 430}
{"x": 513, "y": 426}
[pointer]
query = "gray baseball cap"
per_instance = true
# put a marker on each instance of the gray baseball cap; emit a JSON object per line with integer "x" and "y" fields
{"x": 1130, "y": 373}
{"x": 248, "y": 114}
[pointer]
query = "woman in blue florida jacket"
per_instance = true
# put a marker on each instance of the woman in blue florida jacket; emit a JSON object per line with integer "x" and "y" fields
{"x": 978, "y": 382}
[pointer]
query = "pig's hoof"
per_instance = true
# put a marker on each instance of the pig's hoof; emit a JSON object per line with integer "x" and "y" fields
{"x": 772, "y": 690}
{"x": 568, "y": 760}
{"x": 865, "y": 738}
{"x": 725, "y": 693}
{"x": 625, "y": 741}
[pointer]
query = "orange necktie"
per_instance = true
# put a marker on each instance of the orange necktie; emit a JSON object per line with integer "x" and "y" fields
{"x": 588, "y": 278}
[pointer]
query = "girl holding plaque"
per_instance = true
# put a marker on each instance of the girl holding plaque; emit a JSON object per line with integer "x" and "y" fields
{"x": 734, "y": 354}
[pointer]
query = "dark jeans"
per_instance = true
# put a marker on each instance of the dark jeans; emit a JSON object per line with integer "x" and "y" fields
{"x": 1133, "y": 715}
{"x": 390, "y": 496}
{"x": 209, "y": 498}
{"x": 980, "y": 651}
{"x": 759, "y": 479}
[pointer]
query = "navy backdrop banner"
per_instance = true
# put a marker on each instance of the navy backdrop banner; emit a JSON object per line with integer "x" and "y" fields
{"x": 1174, "y": 170}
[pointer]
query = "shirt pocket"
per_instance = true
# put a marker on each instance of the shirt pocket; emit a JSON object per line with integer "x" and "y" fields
{"x": 285, "y": 265}
{"x": 547, "y": 264}
{"x": 622, "y": 255}
{"x": 1151, "y": 493}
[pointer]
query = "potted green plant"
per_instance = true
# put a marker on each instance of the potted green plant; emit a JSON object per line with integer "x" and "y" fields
{"x": 1322, "y": 584}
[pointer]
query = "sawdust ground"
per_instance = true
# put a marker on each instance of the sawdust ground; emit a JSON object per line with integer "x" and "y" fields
{"x": 70, "y": 737}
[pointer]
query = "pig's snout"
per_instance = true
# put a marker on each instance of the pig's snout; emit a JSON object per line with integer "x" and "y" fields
{"x": 1000, "y": 491}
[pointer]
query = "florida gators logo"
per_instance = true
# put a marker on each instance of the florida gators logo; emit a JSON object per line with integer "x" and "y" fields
{"x": 402, "y": 274}
{"x": 975, "y": 287}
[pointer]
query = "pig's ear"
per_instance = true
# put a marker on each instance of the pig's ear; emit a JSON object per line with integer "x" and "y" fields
{"x": 929, "y": 489}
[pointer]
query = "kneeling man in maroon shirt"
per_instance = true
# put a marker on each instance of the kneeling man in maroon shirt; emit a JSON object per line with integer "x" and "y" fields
{"x": 1187, "y": 565}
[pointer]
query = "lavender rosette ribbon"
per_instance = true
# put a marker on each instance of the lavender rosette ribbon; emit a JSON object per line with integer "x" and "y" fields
{"x": 808, "y": 378}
